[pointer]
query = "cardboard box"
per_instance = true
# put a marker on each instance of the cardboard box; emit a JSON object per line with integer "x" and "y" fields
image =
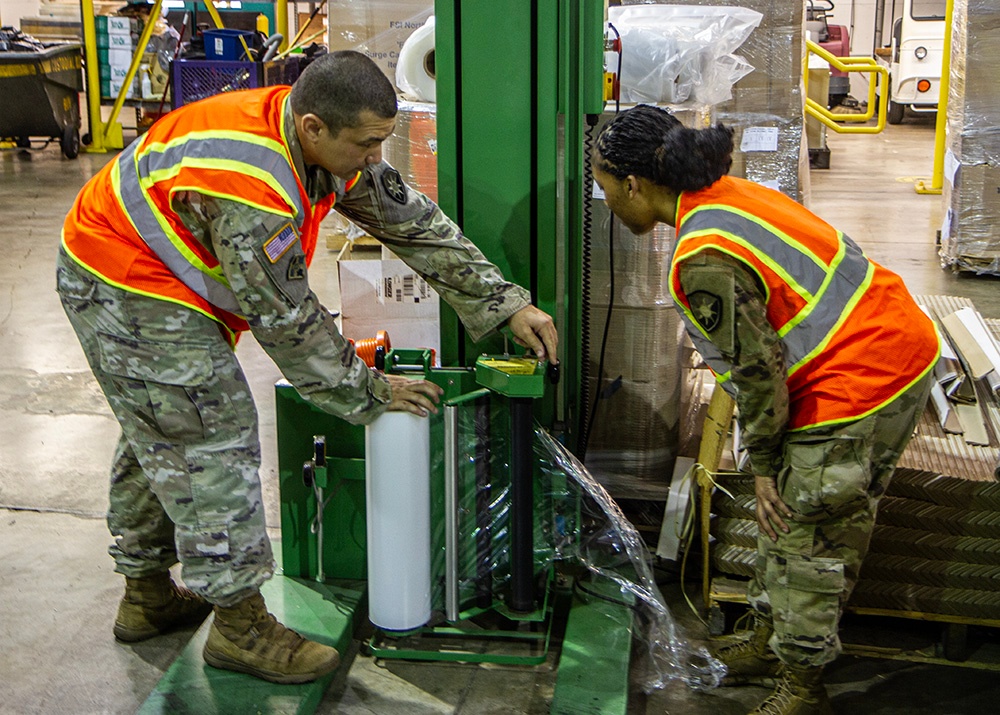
{"x": 111, "y": 87}
{"x": 114, "y": 41}
{"x": 114, "y": 25}
{"x": 386, "y": 294}
{"x": 377, "y": 28}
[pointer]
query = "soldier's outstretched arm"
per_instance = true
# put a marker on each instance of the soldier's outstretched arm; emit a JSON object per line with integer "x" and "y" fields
{"x": 262, "y": 258}
{"x": 417, "y": 231}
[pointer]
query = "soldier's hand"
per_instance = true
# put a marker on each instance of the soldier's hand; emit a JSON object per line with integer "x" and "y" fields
{"x": 534, "y": 329}
{"x": 770, "y": 507}
{"x": 416, "y": 396}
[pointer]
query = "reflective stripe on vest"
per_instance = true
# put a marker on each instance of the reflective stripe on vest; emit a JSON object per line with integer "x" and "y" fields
{"x": 242, "y": 153}
{"x": 829, "y": 292}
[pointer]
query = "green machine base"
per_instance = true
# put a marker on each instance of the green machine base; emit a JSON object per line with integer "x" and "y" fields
{"x": 523, "y": 640}
{"x": 325, "y": 612}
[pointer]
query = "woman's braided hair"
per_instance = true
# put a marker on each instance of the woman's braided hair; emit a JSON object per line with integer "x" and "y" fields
{"x": 649, "y": 142}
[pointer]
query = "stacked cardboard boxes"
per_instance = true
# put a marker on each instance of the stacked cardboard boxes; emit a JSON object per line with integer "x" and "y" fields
{"x": 969, "y": 238}
{"x": 635, "y": 435}
{"x": 116, "y": 39}
{"x": 378, "y": 28}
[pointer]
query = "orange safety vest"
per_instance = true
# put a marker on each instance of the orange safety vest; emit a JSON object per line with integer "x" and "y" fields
{"x": 232, "y": 146}
{"x": 853, "y": 337}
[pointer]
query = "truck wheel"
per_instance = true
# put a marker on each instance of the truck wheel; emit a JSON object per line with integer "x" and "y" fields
{"x": 70, "y": 142}
{"x": 894, "y": 113}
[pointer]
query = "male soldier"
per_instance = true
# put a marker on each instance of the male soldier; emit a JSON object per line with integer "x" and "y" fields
{"x": 203, "y": 229}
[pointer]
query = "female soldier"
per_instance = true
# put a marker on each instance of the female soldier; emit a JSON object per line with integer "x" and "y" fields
{"x": 826, "y": 354}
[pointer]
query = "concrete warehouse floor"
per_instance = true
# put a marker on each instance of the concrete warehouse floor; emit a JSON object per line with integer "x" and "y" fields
{"x": 58, "y": 590}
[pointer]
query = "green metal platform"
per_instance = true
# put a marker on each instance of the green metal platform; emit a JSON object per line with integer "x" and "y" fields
{"x": 326, "y": 612}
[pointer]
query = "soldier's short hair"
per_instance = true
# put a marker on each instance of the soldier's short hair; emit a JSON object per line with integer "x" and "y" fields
{"x": 337, "y": 87}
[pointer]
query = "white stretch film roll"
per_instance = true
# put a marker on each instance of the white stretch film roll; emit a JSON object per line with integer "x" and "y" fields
{"x": 397, "y": 475}
{"x": 415, "y": 73}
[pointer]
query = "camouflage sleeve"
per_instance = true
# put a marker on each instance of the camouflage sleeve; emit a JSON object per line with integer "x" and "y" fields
{"x": 753, "y": 348}
{"x": 262, "y": 258}
{"x": 417, "y": 231}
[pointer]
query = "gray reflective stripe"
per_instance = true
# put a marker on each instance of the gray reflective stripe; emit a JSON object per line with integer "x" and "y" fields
{"x": 275, "y": 163}
{"x": 152, "y": 233}
{"x": 712, "y": 357}
{"x": 799, "y": 264}
{"x": 848, "y": 277}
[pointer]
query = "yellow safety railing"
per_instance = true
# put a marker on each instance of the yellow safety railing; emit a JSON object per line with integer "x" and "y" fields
{"x": 107, "y": 135}
{"x": 879, "y": 74}
{"x": 937, "y": 178}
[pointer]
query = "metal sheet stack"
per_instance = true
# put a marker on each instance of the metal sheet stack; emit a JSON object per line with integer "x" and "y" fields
{"x": 769, "y": 101}
{"x": 969, "y": 239}
{"x": 935, "y": 548}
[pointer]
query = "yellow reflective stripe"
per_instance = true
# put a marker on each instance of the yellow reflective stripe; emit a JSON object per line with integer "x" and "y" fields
{"x": 770, "y": 228}
{"x": 844, "y": 420}
{"x": 233, "y": 165}
{"x": 831, "y": 274}
{"x": 232, "y": 197}
{"x": 723, "y": 249}
{"x": 763, "y": 257}
{"x": 147, "y": 294}
{"x": 845, "y": 314}
{"x": 178, "y": 242}
{"x": 201, "y": 135}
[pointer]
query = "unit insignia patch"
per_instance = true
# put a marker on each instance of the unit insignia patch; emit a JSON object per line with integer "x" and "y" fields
{"x": 706, "y": 309}
{"x": 393, "y": 184}
{"x": 296, "y": 267}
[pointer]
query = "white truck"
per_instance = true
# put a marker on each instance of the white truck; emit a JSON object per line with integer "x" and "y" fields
{"x": 913, "y": 57}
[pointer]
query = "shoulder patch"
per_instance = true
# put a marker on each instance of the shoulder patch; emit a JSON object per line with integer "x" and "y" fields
{"x": 393, "y": 184}
{"x": 706, "y": 308}
{"x": 296, "y": 267}
{"x": 276, "y": 246}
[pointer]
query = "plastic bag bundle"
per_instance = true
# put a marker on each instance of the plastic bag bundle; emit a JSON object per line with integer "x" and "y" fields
{"x": 678, "y": 54}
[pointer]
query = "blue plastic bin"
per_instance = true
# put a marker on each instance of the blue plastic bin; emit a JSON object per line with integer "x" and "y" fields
{"x": 224, "y": 44}
{"x": 197, "y": 79}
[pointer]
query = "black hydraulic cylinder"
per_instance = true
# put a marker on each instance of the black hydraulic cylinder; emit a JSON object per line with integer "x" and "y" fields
{"x": 522, "y": 557}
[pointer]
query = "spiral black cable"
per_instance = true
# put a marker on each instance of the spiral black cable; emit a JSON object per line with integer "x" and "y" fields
{"x": 585, "y": 268}
{"x": 588, "y": 408}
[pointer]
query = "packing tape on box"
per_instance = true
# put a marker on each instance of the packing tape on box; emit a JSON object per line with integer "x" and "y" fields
{"x": 415, "y": 73}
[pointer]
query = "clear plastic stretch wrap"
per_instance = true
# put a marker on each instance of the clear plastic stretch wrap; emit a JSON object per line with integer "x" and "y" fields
{"x": 578, "y": 529}
{"x": 412, "y": 148}
{"x": 676, "y": 54}
{"x": 768, "y": 101}
{"x": 633, "y": 440}
{"x": 969, "y": 237}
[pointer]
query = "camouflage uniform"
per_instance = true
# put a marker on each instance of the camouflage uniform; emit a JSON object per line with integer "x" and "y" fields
{"x": 185, "y": 482}
{"x": 830, "y": 477}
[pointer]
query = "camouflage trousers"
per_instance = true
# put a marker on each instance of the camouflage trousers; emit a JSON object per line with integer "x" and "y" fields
{"x": 832, "y": 480}
{"x": 184, "y": 483}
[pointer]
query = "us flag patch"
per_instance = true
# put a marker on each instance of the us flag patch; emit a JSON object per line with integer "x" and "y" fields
{"x": 280, "y": 242}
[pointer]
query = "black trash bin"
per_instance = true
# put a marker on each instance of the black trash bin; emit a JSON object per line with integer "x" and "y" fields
{"x": 41, "y": 96}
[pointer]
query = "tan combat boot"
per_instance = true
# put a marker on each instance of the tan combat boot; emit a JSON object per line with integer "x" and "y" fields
{"x": 248, "y": 639}
{"x": 153, "y": 605}
{"x": 751, "y": 661}
{"x": 799, "y": 692}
